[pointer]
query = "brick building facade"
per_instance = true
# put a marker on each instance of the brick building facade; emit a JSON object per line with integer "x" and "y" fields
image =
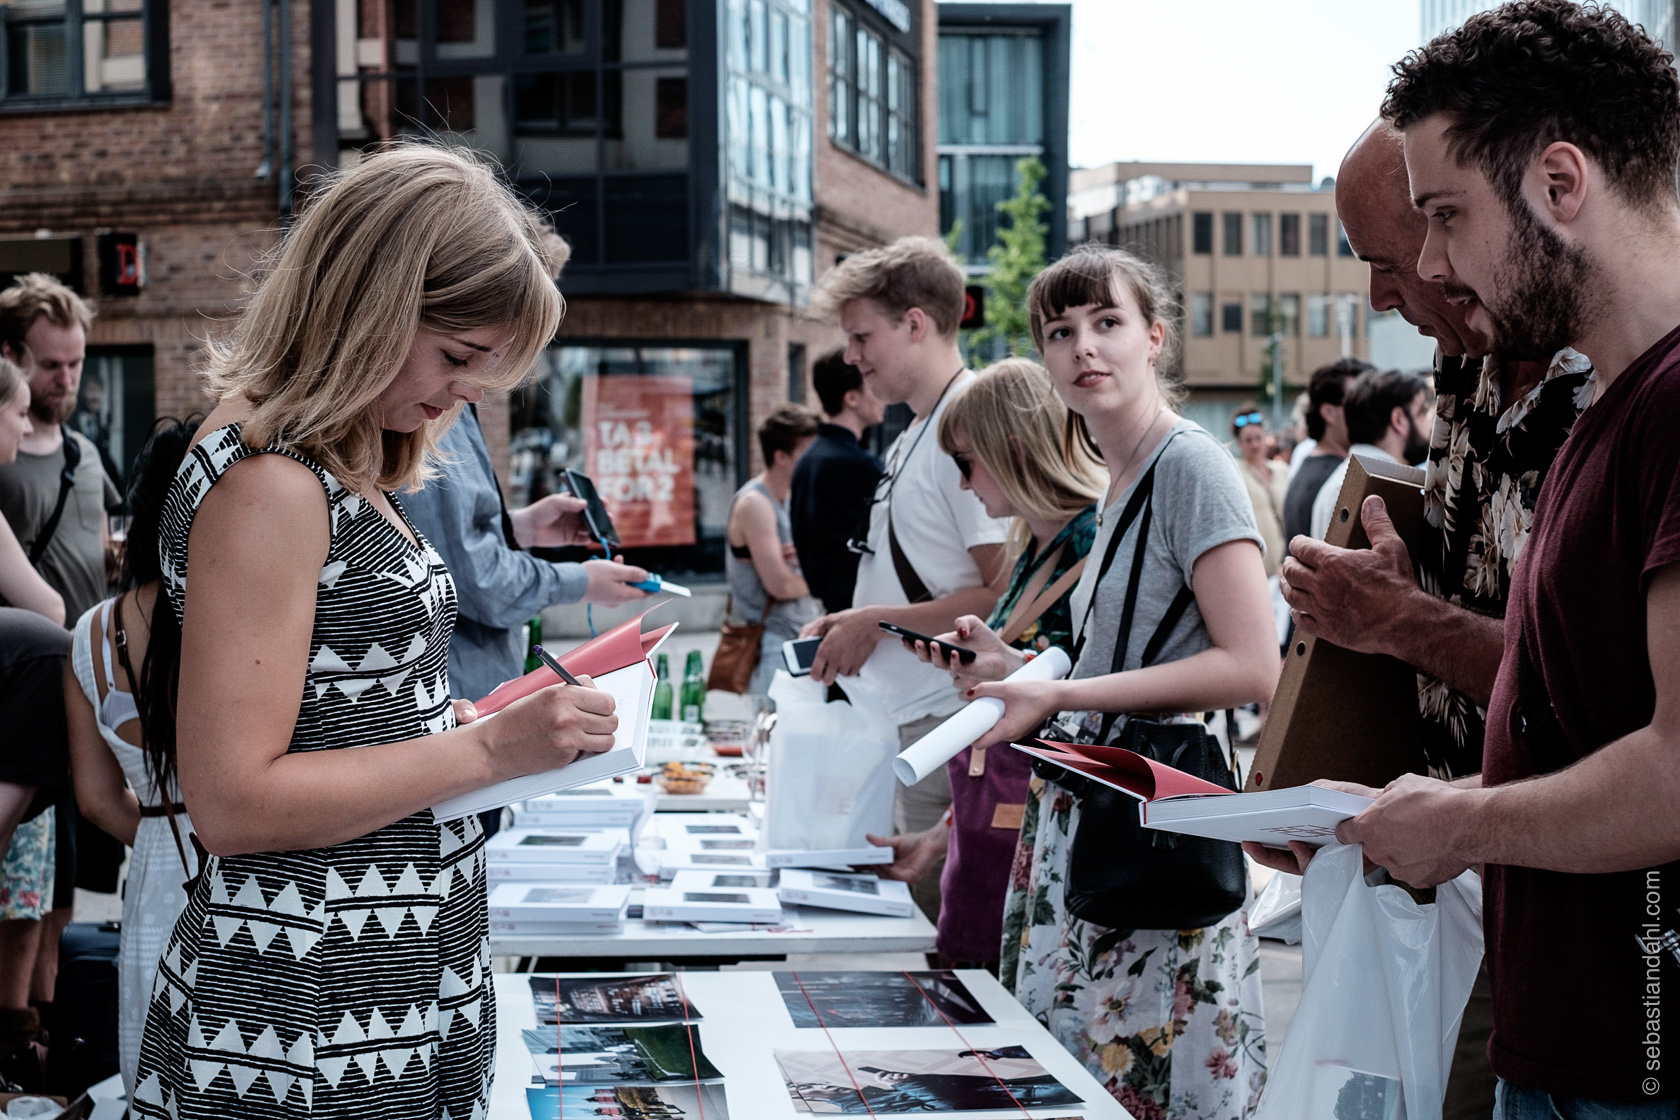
{"x": 691, "y": 150}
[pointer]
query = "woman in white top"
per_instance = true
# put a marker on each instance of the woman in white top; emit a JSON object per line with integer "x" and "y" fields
{"x": 115, "y": 649}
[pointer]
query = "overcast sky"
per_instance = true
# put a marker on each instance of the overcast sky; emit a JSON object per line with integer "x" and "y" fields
{"x": 1231, "y": 81}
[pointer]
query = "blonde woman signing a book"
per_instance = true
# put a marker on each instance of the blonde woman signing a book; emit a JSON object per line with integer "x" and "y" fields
{"x": 1169, "y": 1020}
{"x": 332, "y": 959}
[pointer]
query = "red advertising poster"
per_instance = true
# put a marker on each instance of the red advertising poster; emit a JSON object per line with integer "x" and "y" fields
{"x": 639, "y": 448}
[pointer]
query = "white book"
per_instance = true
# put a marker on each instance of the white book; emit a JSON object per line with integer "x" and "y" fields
{"x": 835, "y": 890}
{"x": 550, "y": 872}
{"x": 615, "y": 804}
{"x": 828, "y": 857}
{"x": 747, "y": 904}
{"x": 672, "y": 861}
{"x": 632, "y": 688}
{"x": 722, "y": 880}
{"x": 559, "y": 902}
{"x": 535, "y": 845}
{"x": 1309, "y": 814}
{"x": 502, "y": 927}
{"x": 680, "y": 828}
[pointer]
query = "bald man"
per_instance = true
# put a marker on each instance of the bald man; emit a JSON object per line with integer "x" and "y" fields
{"x": 1498, "y": 426}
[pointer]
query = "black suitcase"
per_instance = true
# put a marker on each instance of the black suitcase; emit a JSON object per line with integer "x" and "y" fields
{"x": 83, "y": 1028}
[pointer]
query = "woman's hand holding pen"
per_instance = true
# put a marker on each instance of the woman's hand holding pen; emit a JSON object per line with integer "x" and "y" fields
{"x": 549, "y": 729}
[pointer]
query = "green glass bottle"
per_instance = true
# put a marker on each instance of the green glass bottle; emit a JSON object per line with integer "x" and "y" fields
{"x": 533, "y": 639}
{"x": 693, "y": 690}
{"x": 662, "y": 690}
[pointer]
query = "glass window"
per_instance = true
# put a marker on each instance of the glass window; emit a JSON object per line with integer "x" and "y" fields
{"x": 670, "y": 25}
{"x": 1318, "y": 235}
{"x": 1343, "y": 249}
{"x": 873, "y": 102}
{"x": 96, "y": 49}
{"x": 1260, "y": 314}
{"x": 1289, "y": 314}
{"x": 466, "y": 28}
{"x": 991, "y": 88}
{"x": 1262, "y": 227}
{"x": 1201, "y": 232}
{"x": 1318, "y": 316}
{"x": 659, "y": 430}
{"x": 1289, "y": 235}
{"x": 1230, "y": 318}
{"x": 1347, "y": 313}
{"x": 554, "y": 27}
{"x": 1233, "y": 235}
{"x": 114, "y": 407}
{"x": 1201, "y": 315}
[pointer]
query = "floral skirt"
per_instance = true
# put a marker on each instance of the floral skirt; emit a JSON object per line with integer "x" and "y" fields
{"x": 26, "y": 871}
{"x": 1169, "y": 1021}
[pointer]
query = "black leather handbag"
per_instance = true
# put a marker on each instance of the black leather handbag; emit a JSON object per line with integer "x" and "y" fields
{"x": 1120, "y": 874}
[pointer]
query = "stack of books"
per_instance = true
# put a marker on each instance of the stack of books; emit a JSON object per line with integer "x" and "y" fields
{"x": 551, "y": 855}
{"x": 694, "y": 897}
{"x": 707, "y": 842}
{"x": 607, "y": 804}
{"x": 557, "y": 909}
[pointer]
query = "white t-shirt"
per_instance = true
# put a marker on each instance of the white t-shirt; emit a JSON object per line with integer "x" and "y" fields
{"x": 937, "y": 522}
{"x": 1324, "y": 505}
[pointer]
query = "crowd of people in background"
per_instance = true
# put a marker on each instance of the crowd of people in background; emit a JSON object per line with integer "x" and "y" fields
{"x": 1516, "y": 201}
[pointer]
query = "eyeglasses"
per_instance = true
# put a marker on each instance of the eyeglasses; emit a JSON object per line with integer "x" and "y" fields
{"x": 1248, "y": 418}
{"x": 964, "y": 465}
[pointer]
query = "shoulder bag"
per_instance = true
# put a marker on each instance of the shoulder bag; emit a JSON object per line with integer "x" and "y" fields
{"x": 66, "y": 483}
{"x": 1120, "y": 874}
{"x": 740, "y": 645}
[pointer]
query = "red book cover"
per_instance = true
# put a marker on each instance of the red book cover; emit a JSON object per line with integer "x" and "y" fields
{"x": 623, "y": 645}
{"x": 1124, "y": 770}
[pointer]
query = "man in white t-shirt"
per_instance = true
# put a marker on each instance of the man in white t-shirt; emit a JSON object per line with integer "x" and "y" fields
{"x": 899, "y": 307}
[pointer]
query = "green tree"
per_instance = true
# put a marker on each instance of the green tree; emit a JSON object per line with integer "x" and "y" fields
{"x": 1017, "y": 257}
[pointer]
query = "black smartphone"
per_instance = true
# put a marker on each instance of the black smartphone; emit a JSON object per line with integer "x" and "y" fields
{"x": 966, "y": 656}
{"x": 595, "y": 512}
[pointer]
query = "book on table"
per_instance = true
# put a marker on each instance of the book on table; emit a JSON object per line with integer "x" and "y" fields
{"x": 618, "y": 663}
{"x": 606, "y": 804}
{"x": 744, "y": 904}
{"x": 504, "y": 872}
{"x": 1172, "y": 801}
{"x": 559, "y": 902}
{"x": 532, "y": 845}
{"x": 837, "y": 890}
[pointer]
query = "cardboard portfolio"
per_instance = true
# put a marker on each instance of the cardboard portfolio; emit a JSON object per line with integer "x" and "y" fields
{"x": 1338, "y": 714}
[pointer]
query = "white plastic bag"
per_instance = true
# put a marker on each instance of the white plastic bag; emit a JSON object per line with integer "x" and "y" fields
{"x": 1276, "y": 910}
{"x": 1383, "y": 987}
{"x": 830, "y": 776}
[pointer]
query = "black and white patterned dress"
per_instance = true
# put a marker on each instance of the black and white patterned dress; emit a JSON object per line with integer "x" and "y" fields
{"x": 341, "y": 981}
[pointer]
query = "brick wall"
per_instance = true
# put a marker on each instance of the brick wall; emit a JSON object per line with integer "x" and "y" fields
{"x": 182, "y": 176}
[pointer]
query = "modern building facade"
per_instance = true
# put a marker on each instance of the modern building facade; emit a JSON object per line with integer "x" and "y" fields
{"x": 1657, "y": 17}
{"x": 706, "y": 159}
{"x": 1003, "y": 97}
{"x": 1254, "y": 250}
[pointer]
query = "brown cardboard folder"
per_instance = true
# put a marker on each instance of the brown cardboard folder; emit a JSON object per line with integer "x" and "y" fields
{"x": 1340, "y": 714}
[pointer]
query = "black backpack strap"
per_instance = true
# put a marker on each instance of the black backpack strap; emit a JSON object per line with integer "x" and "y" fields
{"x": 507, "y": 521}
{"x": 1140, "y": 497}
{"x": 66, "y": 483}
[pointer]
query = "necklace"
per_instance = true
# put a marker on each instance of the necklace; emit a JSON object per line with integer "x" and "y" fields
{"x": 1124, "y": 467}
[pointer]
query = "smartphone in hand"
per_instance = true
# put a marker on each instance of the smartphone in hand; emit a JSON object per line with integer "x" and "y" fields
{"x": 966, "y": 656}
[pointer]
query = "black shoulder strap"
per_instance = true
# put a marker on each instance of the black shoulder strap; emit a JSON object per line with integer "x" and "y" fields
{"x": 507, "y": 521}
{"x": 915, "y": 591}
{"x": 66, "y": 483}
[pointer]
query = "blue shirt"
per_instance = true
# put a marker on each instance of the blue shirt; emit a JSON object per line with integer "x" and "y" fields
{"x": 498, "y": 587}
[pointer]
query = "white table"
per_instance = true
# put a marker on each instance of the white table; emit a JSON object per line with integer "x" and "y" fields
{"x": 813, "y": 930}
{"x": 744, "y": 1020}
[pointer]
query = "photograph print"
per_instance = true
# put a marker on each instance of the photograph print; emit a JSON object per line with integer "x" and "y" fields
{"x": 878, "y": 999}
{"x": 899, "y": 1082}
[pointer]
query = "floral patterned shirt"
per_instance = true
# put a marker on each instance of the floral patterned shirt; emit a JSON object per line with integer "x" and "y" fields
{"x": 1486, "y": 466}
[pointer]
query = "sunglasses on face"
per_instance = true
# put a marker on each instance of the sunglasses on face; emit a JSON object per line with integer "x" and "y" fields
{"x": 1248, "y": 418}
{"x": 964, "y": 464}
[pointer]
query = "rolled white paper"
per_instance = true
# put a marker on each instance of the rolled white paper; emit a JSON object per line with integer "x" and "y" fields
{"x": 946, "y": 741}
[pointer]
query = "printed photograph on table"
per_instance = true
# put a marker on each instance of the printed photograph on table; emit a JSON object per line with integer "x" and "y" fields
{"x": 628, "y": 1102}
{"x": 878, "y": 999}
{"x": 620, "y": 999}
{"x": 619, "y": 1055}
{"x": 899, "y": 1082}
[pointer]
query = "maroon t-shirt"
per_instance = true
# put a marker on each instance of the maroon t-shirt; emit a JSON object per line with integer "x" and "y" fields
{"x": 1572, "y": 1006}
